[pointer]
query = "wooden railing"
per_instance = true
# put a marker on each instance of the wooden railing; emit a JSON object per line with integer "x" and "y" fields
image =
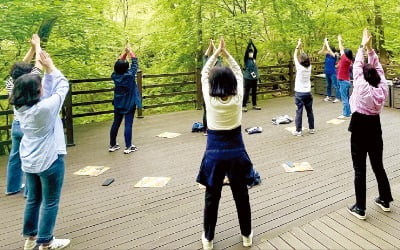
{"x": 93, "y": 97}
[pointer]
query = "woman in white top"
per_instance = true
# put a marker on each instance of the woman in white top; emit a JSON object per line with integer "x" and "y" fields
{"x": 302, "y": 88}
{"x": 225, "y": 154}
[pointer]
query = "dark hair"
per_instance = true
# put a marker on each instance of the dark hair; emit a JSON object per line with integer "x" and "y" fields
{"x": 304, "y": 60}
{"x": 250, "y": 50}
{"x": 349, "y": 54}
{"x": 26, "y": 90}
{"x": 371, "y": 75}
{"x": 121, "y": 66}
{"x": 333, "y": 49}
{"x": 20, "y": 68}
{"x": 222, "y": 81}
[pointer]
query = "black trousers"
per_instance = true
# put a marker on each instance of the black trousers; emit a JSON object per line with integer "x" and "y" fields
{"x": 304, "y": 100}
{"x": 366, "y": 138}
{"x": 250, "y": 85}
{"x": 241, "y": 197}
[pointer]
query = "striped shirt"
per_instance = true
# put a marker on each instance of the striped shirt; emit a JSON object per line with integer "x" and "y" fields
{"x": 10, "y": 84}
{"x": 10, "y": 81}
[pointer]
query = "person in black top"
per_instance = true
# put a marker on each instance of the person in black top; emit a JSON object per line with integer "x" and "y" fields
{"x": 251, "y": 76}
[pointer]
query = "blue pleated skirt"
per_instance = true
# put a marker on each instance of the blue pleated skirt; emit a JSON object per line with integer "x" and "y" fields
{"x": 225, "y": 155}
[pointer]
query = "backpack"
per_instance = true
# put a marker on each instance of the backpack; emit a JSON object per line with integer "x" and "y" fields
{"x": 197, "y": 127}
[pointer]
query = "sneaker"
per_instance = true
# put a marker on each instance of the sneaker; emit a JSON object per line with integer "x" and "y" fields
{"x": 30, "y": 244}
{"x": 256, "y": 108}
{"x": 207, "y": 244}
{"x": 114, "y": 148}
{"x": 382, "y": 204}
{"x": 311, "y": 131}
{"x": 336, "y": 100}
{"x": 56, "y": 244}
{"x": 296, "y": 133}
{"x": 327, "y": 99}
{"x": 130, "y": 149}
{"x": 244, "y": 109}
{"x": 248, "y": 241}
{"x": 354, "y": 210}
{"x": 342, "y": 117}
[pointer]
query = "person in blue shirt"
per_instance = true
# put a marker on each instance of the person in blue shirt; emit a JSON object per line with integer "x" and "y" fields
{"x": 126, "y": 99}
{"x": 330, "y": 72}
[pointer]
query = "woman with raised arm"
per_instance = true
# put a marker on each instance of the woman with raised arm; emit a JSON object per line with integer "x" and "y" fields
{"x": 251, "y": 76}
{"x": 42, "y": 151}
{"x": 14, "y": 170}
{"x": 302, "y": 88}
{"x": 366, "y": 102}
{"x": 225, "y": 153}
{"x": 343, "y": 77}
{"x": 330, "y": 72}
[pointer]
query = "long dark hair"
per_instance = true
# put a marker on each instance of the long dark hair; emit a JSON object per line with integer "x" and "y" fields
{"x": 26, "y": 90}
{"x": 304, "y": 60}
{"x": 20, "y": 68}
{"x": 371, "y": 75}
{"x": 222, "y": 81}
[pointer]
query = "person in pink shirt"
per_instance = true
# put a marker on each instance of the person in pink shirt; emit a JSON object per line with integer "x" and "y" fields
{"x": 343, "y": 77}
{"x": 366, "y": 103}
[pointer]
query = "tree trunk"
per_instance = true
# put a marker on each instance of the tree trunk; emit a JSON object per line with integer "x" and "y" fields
{"x": 380, "y": 35}
{"x": 199, "y": 50}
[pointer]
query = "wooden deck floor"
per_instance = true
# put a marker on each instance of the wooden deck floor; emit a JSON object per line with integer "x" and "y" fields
{"x": 289, "y": 210}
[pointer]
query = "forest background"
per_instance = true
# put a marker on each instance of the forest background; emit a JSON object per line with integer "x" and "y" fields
{"x": 85, "y": 37}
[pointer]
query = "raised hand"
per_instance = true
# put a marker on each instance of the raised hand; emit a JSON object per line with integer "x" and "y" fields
{"x": 339, "y": 37}
{"x": 366, "y": 38}
{"x": 299, "y": 43}
{"x": 46, "y": 61}
{"x": 35, "y": 40}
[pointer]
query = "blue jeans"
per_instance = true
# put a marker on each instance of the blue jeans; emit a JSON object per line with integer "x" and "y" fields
{"x": 128, "y": 127}
{"x": 304, "y": 100}
{"x": 331, "y": 81}
{"x": 41, "y": 208}
{"x": 14, "y": 170}
{"x": 344, "y": 93}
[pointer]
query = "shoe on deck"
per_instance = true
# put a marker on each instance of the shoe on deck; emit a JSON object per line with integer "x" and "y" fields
{"x": 244, "y": 109}
{"x": 130, "y": 149}
{"x": 256, "y": 108}
{"x": 336, "y": 100}
{"x": 354, "y": 210}
{"x": 385, "y": 206}
{"x": 248, "y": 241}
{"x": 207, "y": 244}
{"x": 327, "y": 99}
{"x": 311, "y": 131}
{"x": 296, "y": 133}
{"x": 114, "y": 148}
{"x": 343, "y": 117}
{"x": 29, "y": 244}
{"x": 56, "y": 244}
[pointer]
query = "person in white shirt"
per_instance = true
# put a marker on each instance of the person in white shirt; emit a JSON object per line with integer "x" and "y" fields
{"x": 302, "y": 88}
{"x": 42, "y": 151}
{"x": 225, "y": 153}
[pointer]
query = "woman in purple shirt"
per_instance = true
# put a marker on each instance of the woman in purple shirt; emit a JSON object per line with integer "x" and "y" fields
{"x": 366, "y": 103}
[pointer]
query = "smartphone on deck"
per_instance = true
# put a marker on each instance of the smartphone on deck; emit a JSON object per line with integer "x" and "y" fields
{"x": 108, "y": 182}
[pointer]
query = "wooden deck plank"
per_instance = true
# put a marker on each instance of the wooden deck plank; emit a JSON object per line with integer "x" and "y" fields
{"x": 345, "y": 232}
{"x": 361, "y": 229}
{"x": 322, "y": 238}
{"x": 307, "y": 239}
{"x": 279, "y": 243}
{"x": 293, "y": 241}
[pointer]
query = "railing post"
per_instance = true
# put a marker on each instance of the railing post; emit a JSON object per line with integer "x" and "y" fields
{"x": 199, "y": 93}
{"x": 291, "y": 78}
{"x": 139, "y": 80}
{"x": 69, "y": 122}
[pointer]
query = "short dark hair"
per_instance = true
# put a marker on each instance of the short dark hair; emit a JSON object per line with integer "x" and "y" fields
{"x": 26, "y": 90}
{"x": 20, "y": 68}
{"x": 121, "y": 66}
{"x": 349, "y": 54}
{"x": 333, "y": 49}
{"x": 371, "y": 75}
{"x": 304, "y": 60}
{"x": 250, "y": 50}
{"x": 222, "y": 81}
